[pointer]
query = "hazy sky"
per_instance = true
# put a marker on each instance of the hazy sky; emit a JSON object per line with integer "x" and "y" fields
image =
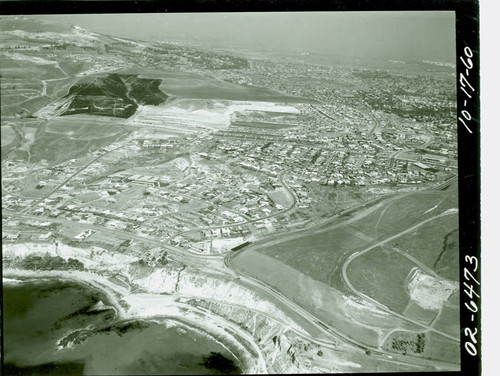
{"x": 395, "y": 35}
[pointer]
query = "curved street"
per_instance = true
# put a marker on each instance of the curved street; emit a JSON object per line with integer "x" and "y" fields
{"x": 375, "y": 302}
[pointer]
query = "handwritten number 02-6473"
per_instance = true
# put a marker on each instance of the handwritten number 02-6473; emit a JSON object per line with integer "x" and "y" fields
{"x": 470, "y": 345}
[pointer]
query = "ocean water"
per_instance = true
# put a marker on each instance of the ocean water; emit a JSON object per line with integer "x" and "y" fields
{"x": 39, "y": 313}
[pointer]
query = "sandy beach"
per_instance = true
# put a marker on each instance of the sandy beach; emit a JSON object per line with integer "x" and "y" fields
{"x": 163, "y": 308}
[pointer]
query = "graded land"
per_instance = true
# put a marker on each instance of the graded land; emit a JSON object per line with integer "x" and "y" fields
{"x": 303, "y": 216}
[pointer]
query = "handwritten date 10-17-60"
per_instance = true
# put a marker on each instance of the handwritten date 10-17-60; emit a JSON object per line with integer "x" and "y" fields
{"x": 465, "y": 116}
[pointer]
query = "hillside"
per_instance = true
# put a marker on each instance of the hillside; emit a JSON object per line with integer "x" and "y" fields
{"x": 115, "y": 95}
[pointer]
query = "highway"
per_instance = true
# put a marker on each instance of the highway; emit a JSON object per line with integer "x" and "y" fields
{"x": 328, "y": 330}
{"x": 300, "y": 333}
{"x": 125, "y": 235}
{"x": 338, "y": 220}
{"x": 222, "y": 263}
{"x": 375, "y": 302}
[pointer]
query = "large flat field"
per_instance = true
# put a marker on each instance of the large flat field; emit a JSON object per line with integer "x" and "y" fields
{"x": 360, "y": 322}
{"x": 441, "y": 347}
{"x": 446, "y": 322}
{"x": 405, "y": 211}
{"x": 435, "y": 244}
{"x": 69, "y": 137}
{"x": 320, "y": 253}
{"x": 28, "y": 105}
{"x": 381, "y": 274}
{"x": 22, "y": 87}
{"x": 7, "y": 135}
{"x": 400, "y": 234}
{"x": 85, "y": 127}
{"x": 192, "y": 85}
{"x": 24, "y": 68}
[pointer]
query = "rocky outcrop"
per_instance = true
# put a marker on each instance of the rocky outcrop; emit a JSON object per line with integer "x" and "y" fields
{"x": 228, "y": 309}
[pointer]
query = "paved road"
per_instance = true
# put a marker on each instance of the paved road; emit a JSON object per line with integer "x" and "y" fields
{"x": 334, "y": 220}
{"x": 37, "y": 201}
{"x": 300, "y": 333}
{"x": 377, "y": 123}
{"x": 375, "y": 302}
{"x": 327, "y": 330}
{"x": 281, "y": 212}
{"x": 217, "y": 262}
{"x": 222, "y": 263}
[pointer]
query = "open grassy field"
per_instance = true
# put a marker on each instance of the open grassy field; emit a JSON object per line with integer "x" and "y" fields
{"x": 415, "y": 312}
{"x": 124, "y": 200}
{"x": 12, "y": 100}
{"x": 23, "y": 66}
{"x": 320, "y": 253}
{"x": 317, "y": 255}
{"x": 25, "y": 107}
{"x": 174, "y": 169}
{"x": 29, "y": 185}
{"x": 22, "y": 86}
{"x": 7, "y": 135}
{"x": 65, "y": 138}
{"x": 381, "y": 274}
{"x": 441, "y": 348}
{"x": 446, "y": 322}
{"x": 60, "y": 88}
{"x": 72, "y": 67}
{"x": 85, "y": 127}
{"x": 280, "y": 197}
{"x": 56, "y": 148}
{"x": 447, "y": 263}
{"x": 406, "y": 210}
{"x": 435, "y": 244}
{"x": 357, "y": 321}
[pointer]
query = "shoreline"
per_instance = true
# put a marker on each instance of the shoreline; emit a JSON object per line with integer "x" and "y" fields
{"x": 144, "y": 305}
{"x": 185, "y": 320}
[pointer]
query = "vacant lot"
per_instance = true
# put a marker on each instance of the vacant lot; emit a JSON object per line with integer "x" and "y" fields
{"x": 85, "y": 127}
{"x": 124, "y": 200}
{"x": 415, "y": 312}
{"x": 21, "y": 66}
{"x": 441, "y": 348}
{"x": 446, "y": 322}
{"x": 8, "y": 135}
{"x": 25, "y": 107}
{"x": 404, "y": 211}
{"x": 361, "y": 322}
{"x": 321, "y": 253}
{"x": 280, "y": 197}
{"x": 317, "y": 255}
{"x": 435, "y": 244}
{"x": 381, "y": 274}
{"x": 357, "y": 321}
{"x": 75, "y": 140}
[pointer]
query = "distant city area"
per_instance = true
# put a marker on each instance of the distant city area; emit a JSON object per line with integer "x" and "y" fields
{"x": 308, "y": 212}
